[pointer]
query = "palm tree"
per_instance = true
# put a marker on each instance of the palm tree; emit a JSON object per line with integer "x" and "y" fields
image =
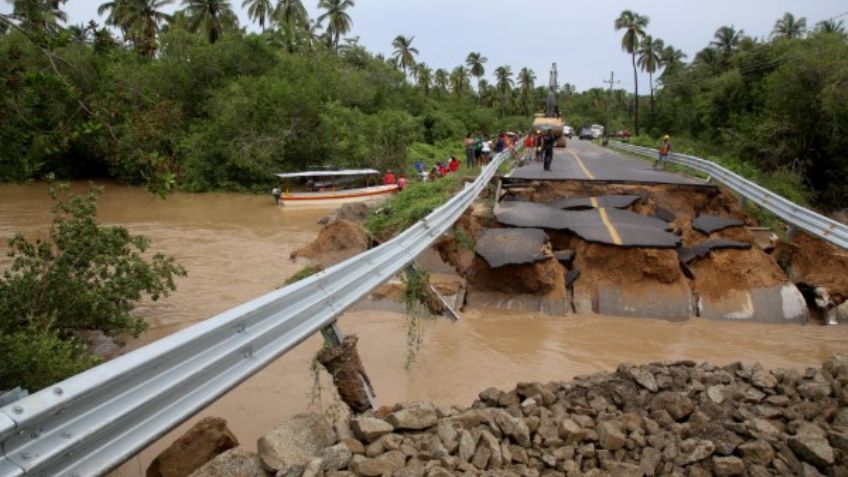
{"x": 214, "y": 16}
{"x": 404, "y": 54}
{"x": 650, "y": 60}
{"x": 338, "y": 21}
{"x": 488, "y": 94}
{"x": 459, "y": 80}
{"x": 37, "y": 15}
{"x": 634, "y": 26}
{"x": 291, "y": 13}
{"x": 423, "y": 77}
{"x": 117, "y": 10}
{"x": 727, "y": 40}
{"x": 504, "y": 84}
{"x": 672, "y": 61}
{"x": 789, "y": 27}
{"x": 258, "y": 11}
{"x": 475, "y": 62}
{"x": 139, "y": 20}
{"x": 441, "y": 81}
{"x": 526, "y": 80}
{"x": 830, "y": 26}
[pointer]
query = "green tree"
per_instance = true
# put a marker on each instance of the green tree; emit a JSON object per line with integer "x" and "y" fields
{"x": 672, "y": 61}
{"x": 441, "y": 81}
{"x": 503, "y": 74}
{"x": 423, "y": 78}
{"x": 650, "y": 60}
{"x": 338, "y": 21}
{"x": 789, "y": 27}
{"x": 291, "y": 12}
{"x": 634, "y": 26}
{"x": 404, "y": 53}
{"x": 476, "y": 66}
{"x": 830, "y": 26}
{"x": 726, "y": 40}
{"x": 259, "y": 11}
{"x": 213, "y": 16}
{"x": 526, "y": 83}
{"x": 42, "y": 16}
{"x": 459, "y": 80}
{"x": 140, "y": 19}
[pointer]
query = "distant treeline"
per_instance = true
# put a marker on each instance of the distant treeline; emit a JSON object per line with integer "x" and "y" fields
{"x": 780, "y": 104}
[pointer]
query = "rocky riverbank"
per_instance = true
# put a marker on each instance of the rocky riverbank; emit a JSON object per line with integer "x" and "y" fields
{"x": 678, "y": 418}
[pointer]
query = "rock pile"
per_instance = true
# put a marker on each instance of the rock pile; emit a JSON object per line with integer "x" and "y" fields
{"x": 674, "y": 418}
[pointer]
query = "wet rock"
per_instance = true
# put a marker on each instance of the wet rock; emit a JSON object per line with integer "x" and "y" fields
{"x": 716, "y": 393}
{"x": 811, "y": 445}
{"x": 571, "y": 432}
{"x": 335, "y": 457}
{"x": 417, "y": 416}
{"x": 610, "y": 435}
{"x": 369, "y": 429}
{"x": 296, "y": 441}
{"x": 676, "y": 404}
{"x": 694, "y": 450}
{"x": 644, "y": 378}
{"x": 232, "y": 462}
{"x": 385, "y": 464}
{"x": 202, "y": 443}
{"x": 727, "y": 466}
{"x": 758, "y": 452}
{"x": 513, "y": 427}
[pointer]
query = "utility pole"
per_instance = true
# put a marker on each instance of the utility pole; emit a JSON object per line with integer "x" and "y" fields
{"x": 611, "y": 82}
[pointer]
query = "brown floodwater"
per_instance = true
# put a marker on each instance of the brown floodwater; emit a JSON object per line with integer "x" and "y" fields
{"x": 237, "y": 247}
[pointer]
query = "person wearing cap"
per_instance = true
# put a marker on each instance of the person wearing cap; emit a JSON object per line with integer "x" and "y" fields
{"x": 665, "y": 149}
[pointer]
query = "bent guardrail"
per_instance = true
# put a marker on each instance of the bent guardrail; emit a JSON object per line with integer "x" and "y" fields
{"x": 793, "y": 214}
{"x": 94, "y": 421}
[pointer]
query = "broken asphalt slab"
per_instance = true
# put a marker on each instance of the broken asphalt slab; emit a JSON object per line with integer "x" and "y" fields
{"x": 708, "y": 224}
{"x": 605, "y": 201}
{"x": 776, "y": 304}
{"x": 501, "y": 247}
{"x": 607, "y": 226}
{"x": 687, "y": 254}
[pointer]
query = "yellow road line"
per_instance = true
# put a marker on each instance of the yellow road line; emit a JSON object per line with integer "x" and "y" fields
{"x": 594, "y": 201}
{"x": 616, "y": 239}
{"x": 582, "y": 166}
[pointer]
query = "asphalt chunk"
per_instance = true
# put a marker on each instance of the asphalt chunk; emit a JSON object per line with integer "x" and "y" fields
{"x": 564, "y": 256}
{"x": 687, "y": 254}
{"x": 664, "y": 214}
{"x": 571, "y": 276}
{"x": 708, "y": 224}
{"x": 606, "y": 201}
{"x": 608, "y": 226}
{"x": 501, "y": 247}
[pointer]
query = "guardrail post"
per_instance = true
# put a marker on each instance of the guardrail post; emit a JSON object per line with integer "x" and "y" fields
{"x": 341, "y": 360}
{"x": 791, "y": 230}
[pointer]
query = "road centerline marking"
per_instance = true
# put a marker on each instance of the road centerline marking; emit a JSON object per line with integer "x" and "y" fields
{"x": 594, "y": 201}
{"x": 582, "y": 166}
{"x": 616, "y": 239}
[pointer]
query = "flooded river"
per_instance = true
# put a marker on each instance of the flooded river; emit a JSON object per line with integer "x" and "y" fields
{"x": 236, "y": 247}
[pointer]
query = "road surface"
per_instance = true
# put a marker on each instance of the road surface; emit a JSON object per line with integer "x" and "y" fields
{"x": 584, "y": 161}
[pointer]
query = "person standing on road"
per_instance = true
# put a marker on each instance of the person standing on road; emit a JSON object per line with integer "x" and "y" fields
{"x": 529, "y": 146}
{"x": 665, "y": 149}
{"x": 548, "y": 152}
{"x": 469, "y": 151}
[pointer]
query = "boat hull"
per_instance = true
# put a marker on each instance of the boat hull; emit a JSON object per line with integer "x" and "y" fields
{"x": 337, "y": 197}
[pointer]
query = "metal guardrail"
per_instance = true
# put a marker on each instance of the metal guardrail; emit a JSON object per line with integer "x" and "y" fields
{"x": 96, "y": 420}
{"x": 793, "y": 214}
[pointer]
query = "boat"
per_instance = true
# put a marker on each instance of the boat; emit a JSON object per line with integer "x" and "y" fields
{"x": 329, "y": 188}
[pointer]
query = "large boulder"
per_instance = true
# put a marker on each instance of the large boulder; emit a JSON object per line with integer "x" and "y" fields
{"x": 202, "y": 443}
{"x": 296, "y": 441}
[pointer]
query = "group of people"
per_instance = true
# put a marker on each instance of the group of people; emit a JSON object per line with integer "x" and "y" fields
{"x": 540, "y": 147}
{"x": 479, "y": 148}
{"x": 400, "y": 180}
{"x": 439, "y": 169}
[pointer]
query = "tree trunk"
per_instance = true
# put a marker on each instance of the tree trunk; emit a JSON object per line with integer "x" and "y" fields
{"x": 651, "y": 79}
{"x": 636, "y": 93}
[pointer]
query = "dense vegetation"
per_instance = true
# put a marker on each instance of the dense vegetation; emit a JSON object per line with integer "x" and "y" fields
{"x": 189, "y": 100}
{"x": 779, "y": 106}
{"x": 82, "y": 278}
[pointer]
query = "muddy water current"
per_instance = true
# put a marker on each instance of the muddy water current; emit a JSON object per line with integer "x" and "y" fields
{"x": 236, "y": 247}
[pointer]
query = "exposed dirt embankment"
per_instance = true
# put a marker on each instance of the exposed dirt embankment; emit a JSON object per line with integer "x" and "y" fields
{"x": 815, "y": 262}
{"x": 337, "y": 241}
{"x": 677, "y": 418}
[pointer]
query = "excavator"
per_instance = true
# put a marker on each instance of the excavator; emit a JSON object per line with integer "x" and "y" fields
{"x": 551, "y": 119}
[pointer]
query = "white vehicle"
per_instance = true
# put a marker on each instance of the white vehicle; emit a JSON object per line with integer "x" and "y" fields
{"x": 568, "y": 131}
{"x": 597, "y": 130}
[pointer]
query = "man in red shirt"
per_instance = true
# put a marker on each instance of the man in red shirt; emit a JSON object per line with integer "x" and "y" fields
{"x": 453, "y": 164}
{"x": 389, "y": 178}
{"x": 530, "y": 146}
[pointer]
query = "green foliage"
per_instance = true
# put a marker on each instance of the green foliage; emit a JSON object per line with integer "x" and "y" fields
{"x": 463, "y": 239}
{"x": 304, "y": 272}
{"x": 84, "y": 276}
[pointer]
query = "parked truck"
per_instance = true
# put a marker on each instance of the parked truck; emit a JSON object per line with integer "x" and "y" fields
{"x": 551, "y": 120}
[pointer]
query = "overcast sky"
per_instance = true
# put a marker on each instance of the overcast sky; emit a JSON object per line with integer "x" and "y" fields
{"x": 578, "y": 36}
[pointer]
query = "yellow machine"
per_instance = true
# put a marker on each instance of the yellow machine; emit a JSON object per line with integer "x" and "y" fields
{"x": 551, "y": 120}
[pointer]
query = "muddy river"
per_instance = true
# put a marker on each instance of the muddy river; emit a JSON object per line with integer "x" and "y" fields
{"x": 236, "y": 247}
